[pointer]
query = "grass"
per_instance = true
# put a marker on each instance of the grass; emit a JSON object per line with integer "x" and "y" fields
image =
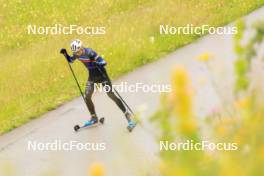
{"x": 34, "y": 77}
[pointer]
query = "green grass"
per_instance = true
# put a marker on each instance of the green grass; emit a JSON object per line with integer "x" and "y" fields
{"x": 34, "y": 77}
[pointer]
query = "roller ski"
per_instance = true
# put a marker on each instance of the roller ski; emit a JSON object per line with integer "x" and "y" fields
{"x": 90, "y": 123}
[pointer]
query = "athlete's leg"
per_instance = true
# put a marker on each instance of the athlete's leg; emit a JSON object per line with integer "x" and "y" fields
{"x": 108, "y": 87}
{"x": 120, "y": 104}
{"x": 88, "y": 97}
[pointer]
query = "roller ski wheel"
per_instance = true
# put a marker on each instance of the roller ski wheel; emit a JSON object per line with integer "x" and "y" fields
{"x": 76, "y": 128}
{"x": 101, "y": 120}
{"x": 131, "y": 126}
{"x": 90, "y": 123}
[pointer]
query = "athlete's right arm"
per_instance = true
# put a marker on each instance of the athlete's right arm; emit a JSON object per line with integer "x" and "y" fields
{"x": 69, "y": 58}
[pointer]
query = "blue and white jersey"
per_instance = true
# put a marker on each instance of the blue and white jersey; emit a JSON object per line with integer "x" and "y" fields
{"x": 91, "y": 60}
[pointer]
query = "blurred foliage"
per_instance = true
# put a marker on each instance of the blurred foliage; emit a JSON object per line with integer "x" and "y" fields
{"x": 246, "y": 53}
{"x": 178, "y": 121}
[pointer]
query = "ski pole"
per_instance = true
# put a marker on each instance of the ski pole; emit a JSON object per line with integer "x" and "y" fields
{"x": 77, "y": 84}
{"x": 124, "y": 101}
{"x": 115, "y": 90}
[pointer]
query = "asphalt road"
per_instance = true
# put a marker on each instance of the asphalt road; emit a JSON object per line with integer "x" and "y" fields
{"x": 125, "y": 153}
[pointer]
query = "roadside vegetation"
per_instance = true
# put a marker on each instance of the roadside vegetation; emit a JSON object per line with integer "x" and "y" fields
{"x": 239, "y": 120}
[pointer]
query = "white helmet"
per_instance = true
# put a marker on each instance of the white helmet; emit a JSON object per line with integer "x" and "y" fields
{"x": 76, "y": 45}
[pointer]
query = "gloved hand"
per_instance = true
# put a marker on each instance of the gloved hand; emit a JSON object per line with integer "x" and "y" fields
{"x": 101, "y": 63}
{"x": 63, "y": 51}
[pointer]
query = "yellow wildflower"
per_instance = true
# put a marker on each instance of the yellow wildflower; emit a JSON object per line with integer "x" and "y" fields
{"x": 96, "y": 169}
{"x": 205, "y": 57}
{"x": 242, "y": 103}
{"x": 182, "y": 100}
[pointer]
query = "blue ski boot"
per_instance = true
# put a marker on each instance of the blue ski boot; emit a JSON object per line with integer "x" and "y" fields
{"x": 131, "y": 123}
{"x": 93, "y": 121}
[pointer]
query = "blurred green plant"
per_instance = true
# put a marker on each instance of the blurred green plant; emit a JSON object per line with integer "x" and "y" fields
{"x": 245, "y": 53}
{"x": 178, "y": 122}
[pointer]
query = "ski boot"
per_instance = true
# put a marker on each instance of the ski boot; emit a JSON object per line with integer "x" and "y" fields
{"x": 131, "y": 123}
{"x": 91, "y": 122}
